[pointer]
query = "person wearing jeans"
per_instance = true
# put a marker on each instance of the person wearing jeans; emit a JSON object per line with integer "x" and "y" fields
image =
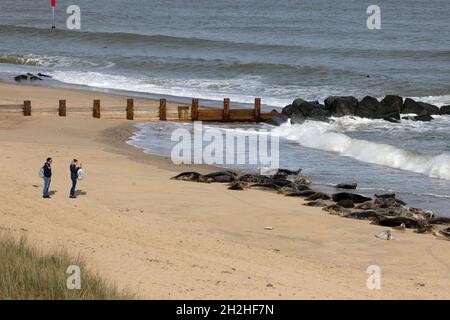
{"x": 74, "y": 168}
{"x": 47, "y": 177}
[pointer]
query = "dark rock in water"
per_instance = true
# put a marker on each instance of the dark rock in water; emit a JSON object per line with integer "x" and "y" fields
{"x": 439, "y": 220}
{"x": 346, "y": 203}
{"x": 363, "y": 215}
{"x": 238, "y": 185}
{"x": 419, "y": 108}
{"x": 277, "y": 118}
{"x": 341, "y": 106}
{"x": 318, "y": 195}
{"x": 222, "y": 176}
{"x": 386, "y": 195}
{"x": 308, "y": 110}
{"x": 304, "y": 193}
{"x": 288, "y": 110}
{"x": 369, "y": 107}
{"x": 20, "y": 78}
{"x": 356, "y": 198}
{"x": 347, "y": 185}
{"x": 336, "y": 210}
{"x": 315, "y": 203}
{"x": 397, "y": 221}
{"x": 391, "y": 105}
{"x": 444, "y": 110}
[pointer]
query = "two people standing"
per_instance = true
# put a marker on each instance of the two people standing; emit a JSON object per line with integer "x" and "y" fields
{"x": 46, "y": 174}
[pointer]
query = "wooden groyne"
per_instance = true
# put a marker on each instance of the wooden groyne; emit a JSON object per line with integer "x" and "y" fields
{"x": 165, "y": 112}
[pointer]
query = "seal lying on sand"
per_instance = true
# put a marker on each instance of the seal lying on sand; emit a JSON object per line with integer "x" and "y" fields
{"x": 192, "y": 176}
{"x": 363, "y": 215}
{"x": 285, "y": 173}
{"x": 318, "y": 195}
{"x": 397, "y": 221}
{"x": 304, "y": 193}
{"x": 238, "y": 185}
{"x": 356, "y": 198}
{"x": 265, "y": 186}
{"x": 222, "y": 176}
{"x": 336, "y": 210}
{"x": 256, "y": 178}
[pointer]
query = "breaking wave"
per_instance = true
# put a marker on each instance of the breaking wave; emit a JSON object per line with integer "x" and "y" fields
{"x": 322, "y": 136}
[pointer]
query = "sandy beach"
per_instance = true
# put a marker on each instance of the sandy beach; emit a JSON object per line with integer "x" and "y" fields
{"x": 166, "y": 239}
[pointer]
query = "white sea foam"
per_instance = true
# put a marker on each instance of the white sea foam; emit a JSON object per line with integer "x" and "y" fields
{"x": 323, "y": 136}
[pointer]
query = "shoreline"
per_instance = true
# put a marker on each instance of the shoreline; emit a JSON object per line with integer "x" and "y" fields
{"x": 195, "y": 241}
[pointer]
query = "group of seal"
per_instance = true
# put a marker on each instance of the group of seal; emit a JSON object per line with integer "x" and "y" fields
{"x": 384, "y": 209}
{"x": 30, "y": 76}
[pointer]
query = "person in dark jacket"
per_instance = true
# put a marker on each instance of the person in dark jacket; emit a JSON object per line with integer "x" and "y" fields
{"x": 74, "y": 168}
{"x": 47, "y": 177}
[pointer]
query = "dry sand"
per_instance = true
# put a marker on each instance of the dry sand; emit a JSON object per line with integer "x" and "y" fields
{"x": 166, "y": 239}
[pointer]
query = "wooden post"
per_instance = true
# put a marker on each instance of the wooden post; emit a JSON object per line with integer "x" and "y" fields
{"x": 27, "y": 108}
{"x": 130, "y": 109}
{"x": 257, "y": 109}
{"x": 226, "y": 109}
{"x": 62, "y": 111}
{"x": 96, "y": 109}
{"x": 162, "y": 110}
{"x": 194, "y": 109}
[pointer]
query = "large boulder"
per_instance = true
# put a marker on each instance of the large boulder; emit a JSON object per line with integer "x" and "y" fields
{"x": 295, "y": 106}
{"x": 419, "y": 108}
{"x": 288, "y": 110}
{"x": 391, "y": 107}
{"x": 444, "y": 110}
{"x": 341, "y": 106}
{"x": 309, "y": 110}
{"x": 277, "y": 118}
{"x": 369, "y": 107}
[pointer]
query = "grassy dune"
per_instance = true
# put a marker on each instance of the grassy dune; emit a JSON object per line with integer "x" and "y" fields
{"x": 27, "y": 273}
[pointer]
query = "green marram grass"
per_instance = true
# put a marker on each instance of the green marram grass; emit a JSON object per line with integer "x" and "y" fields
{"x": 26, "y": 273}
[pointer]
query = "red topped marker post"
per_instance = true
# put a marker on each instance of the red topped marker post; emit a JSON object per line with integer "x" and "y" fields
{"x": 53, "y": 2}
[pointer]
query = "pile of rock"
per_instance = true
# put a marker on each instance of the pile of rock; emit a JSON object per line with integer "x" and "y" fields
{"x": 389, "y": 109}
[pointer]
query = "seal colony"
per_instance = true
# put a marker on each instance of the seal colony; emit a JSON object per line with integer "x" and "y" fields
{"x": 384, "y": 209}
